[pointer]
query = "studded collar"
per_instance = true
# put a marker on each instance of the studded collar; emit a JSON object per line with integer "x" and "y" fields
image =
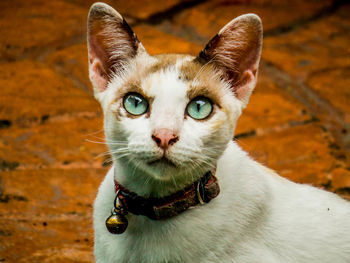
{"x": 200, "y": 192}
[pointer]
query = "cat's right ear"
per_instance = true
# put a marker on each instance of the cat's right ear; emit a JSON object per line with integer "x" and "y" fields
{"x": 235, "y": 53}
{"x": 111, "y": 44}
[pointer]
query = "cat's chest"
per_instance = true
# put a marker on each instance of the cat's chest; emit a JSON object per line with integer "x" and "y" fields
{"x": 189, "y": 237}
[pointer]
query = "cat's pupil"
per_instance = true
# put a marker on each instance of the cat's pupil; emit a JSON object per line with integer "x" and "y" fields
{"x": 199, "y": 104}
{"x": 137, "y": 101}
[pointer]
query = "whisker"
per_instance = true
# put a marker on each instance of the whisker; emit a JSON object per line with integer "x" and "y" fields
{"x": 122, "y": 149}
{"x": 135, "y": 167}
{"x": 122, "y": 143}
{"x": 111, "y": 153}
{"x": 91, "y": 134}
{"x": 87, "y": 140}
{"x": 121, "y": 156}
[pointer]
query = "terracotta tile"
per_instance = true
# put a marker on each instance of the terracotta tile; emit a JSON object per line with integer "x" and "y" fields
{"x": 317, "y": 54}
{"x": 135, "y": 8}
{"x": 48, "y": 206}
{"x": 49, "y": 192}
{"x": 341, "y": 179}
{"x": 72, "y": 62}
{"x": 157, "y": 42}
{"x": 45, "y": 244}
{"x": 28, "y": 26}
{"x": 270, "y": 108}
{"x": 333, "y": 85}
{"x": 144, "y": 10}
{"x": 31, "y": 28}
{"x": 47, "y": 240}
{"x": 31, "y": 90}
{"x": 208, "y": 18}
{"x": 62, "y": 141}
{"x": 300, "y": 153}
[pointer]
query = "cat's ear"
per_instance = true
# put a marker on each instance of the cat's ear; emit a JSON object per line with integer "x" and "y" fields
{"x": 235, "y": 52}
{"x": 111, "y": 44}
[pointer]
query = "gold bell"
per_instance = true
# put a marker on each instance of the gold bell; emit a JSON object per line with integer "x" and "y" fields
{"x": 117, "y": 223}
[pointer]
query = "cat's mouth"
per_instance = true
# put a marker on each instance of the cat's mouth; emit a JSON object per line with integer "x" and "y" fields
{"x": 162, "y": 161}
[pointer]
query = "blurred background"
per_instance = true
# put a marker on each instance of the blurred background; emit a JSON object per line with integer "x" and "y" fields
{"x": 297, "y": 122}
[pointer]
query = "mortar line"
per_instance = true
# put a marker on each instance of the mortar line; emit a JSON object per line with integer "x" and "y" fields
{"x": 319, "y": 107}
{"x": 324, "y": 12}
{"x": 167, "y": 14}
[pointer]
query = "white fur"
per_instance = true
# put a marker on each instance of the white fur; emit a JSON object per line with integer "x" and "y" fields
{"x": 257, "y": 217}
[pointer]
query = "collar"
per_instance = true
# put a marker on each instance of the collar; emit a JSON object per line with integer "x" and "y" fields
{"x": 200, "y": 192}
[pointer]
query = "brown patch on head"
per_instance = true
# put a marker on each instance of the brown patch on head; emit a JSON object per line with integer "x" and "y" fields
{"x": 131, "y": 85}
{"x": 202, "y": 80}
{"x": 164, "y": 61}
{"x": 190, "y": 69}
{"x": 206, "y": 91}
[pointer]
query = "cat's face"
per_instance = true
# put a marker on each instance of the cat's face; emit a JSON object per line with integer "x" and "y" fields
{"x": 168, "y": 117}
{"x": 171, "y": 114}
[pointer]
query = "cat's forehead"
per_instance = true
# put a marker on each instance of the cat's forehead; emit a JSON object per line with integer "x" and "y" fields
{"x": 180, "y": 74}
{"x": 185, "y": 65}
{"x": 163, "y": 62}
{"x": 176, "y": 75}
{"x": 169, "y": 73}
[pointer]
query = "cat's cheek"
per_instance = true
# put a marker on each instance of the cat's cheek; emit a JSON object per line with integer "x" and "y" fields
{"x": 233, "y": 111}
{"x": 118, "y": 114}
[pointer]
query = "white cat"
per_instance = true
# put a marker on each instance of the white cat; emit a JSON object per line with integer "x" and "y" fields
{"x": 169, "y": 121}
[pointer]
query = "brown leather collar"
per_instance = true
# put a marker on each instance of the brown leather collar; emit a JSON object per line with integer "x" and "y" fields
{"x": 199, "y": 192}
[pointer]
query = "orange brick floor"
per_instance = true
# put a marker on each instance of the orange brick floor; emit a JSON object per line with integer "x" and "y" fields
{"x": 297, "y": 122}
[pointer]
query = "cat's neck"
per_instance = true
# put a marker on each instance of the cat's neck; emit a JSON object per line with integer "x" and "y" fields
{"x": 141, "y": 182}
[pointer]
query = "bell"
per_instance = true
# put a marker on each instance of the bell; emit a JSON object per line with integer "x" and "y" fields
{"x": 116, "y": 223}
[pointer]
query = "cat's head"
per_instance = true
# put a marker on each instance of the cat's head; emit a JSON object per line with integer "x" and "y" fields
{"x": 171, "y": 114}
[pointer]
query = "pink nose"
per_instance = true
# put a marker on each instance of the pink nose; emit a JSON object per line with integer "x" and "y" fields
{"x": 164, "y": 138}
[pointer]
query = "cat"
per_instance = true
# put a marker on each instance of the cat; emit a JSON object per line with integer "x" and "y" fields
{"x": 169, "y": 122}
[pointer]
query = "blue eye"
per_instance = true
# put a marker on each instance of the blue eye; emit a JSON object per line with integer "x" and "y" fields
{"x": 135, "y": 104}
{"x": 199, "y": 108}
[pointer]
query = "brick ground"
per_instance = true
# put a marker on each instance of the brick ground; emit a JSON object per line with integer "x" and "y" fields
{"x": 297, "y": 122}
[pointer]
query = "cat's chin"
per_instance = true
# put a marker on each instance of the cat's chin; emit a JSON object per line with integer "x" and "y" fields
{"x": 162, "y": 163}
{"x": 163, "y": 169}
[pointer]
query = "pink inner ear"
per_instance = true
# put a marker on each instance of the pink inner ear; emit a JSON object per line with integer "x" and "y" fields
{"x": 245, "y": 85}
{"x": 98, "y": 64}
{"x": 98, "y": 76}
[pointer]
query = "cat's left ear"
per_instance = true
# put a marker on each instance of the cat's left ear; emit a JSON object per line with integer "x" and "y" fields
{"x": 235, "y": 52}
{"x": 111, "y": 44}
